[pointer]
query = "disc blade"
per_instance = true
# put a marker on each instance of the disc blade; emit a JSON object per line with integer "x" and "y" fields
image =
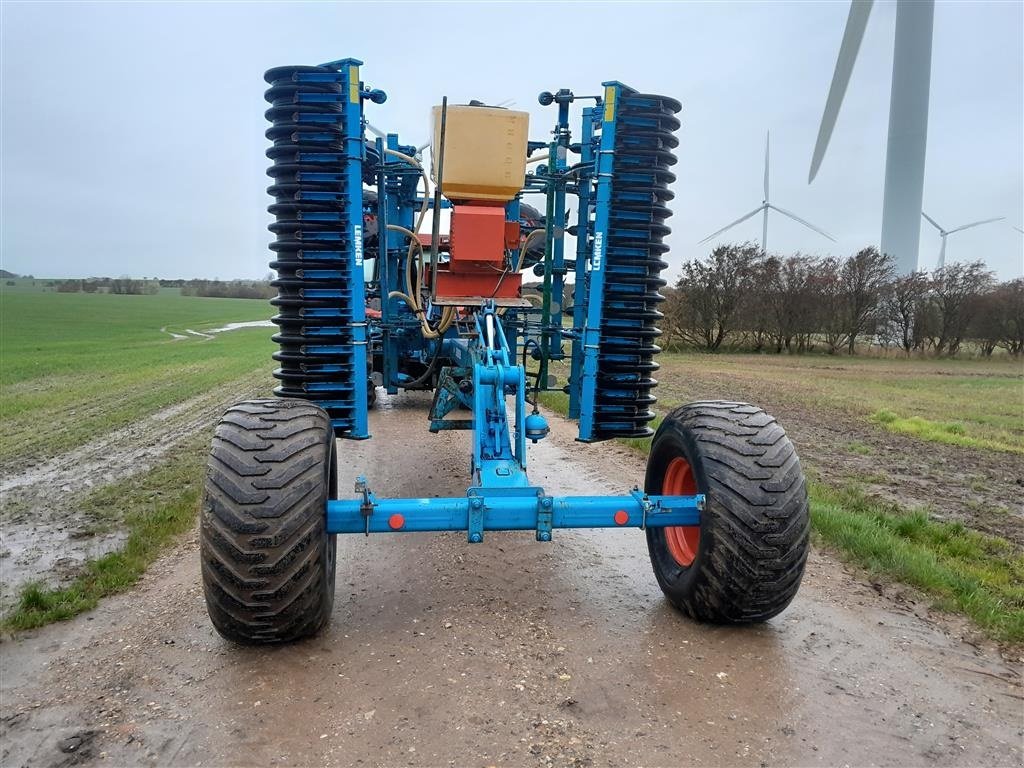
{"x": 730, "y": 226}
{"x": 806, "y": 223}
{"x": 856, "y": 22}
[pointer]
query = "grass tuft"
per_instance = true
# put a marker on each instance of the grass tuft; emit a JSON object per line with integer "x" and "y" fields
{"x": 976, "y": 574}
{"x": 949, "y": 432}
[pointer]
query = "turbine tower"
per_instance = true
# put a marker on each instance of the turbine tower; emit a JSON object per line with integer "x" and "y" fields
{"x": 947, "y": 232}
{"x": 908, "y": 120}
{"x": 763, "y": 209}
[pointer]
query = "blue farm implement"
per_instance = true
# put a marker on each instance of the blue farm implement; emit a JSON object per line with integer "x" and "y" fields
{"x": 371, "y": 294}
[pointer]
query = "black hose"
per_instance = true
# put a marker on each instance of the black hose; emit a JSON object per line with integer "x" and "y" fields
{"x": 431, "y": 366}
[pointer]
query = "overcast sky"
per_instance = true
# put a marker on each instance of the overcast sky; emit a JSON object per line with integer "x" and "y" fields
{"x": 132, "y": 133}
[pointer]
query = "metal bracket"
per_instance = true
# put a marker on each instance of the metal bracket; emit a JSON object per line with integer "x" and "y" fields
{"x": 368, "y": 503}
{"x": 545, "y": 505}
{"x": 645, "y": 505}
{"x": 475, "y": 529}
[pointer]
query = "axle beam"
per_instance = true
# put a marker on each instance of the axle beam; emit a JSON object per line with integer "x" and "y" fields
{"x": 520, "y": 509}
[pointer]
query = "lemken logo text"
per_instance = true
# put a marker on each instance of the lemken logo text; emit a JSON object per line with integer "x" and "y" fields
{"x": 595, "y": 262}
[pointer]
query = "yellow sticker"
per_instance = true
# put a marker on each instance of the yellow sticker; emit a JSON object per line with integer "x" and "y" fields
{"x": 353, "y": 84}
{"x": 609, "y": 103}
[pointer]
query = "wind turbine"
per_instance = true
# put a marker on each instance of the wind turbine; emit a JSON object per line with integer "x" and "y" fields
{"x": 908, "y": 120}
{"x": 763, "y": 209}
{"x": 947, "y": 232}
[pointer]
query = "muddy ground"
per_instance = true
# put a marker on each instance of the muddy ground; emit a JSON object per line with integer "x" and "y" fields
{"x": 509, "y": 653}
{"x": 43, "y": 534}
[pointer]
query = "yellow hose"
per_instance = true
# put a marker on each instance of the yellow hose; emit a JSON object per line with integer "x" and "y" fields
{"x": 414, "y": 289}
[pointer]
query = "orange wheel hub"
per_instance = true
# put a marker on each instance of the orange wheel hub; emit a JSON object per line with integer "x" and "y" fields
{"x": 683, "y": 540}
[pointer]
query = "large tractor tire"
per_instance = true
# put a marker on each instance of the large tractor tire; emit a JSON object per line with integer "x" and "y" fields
{"x": 744, "y": 562}
{"x": 268, "y": 563}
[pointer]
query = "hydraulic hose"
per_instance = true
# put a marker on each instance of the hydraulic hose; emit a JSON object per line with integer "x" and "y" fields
{"x": 414, "y": 289}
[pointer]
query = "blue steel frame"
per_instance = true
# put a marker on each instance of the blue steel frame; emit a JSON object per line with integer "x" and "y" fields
{"x": 352, "y": 194}
{"x": 579, "y": 303}
{"x": 595, "y": 291}
{"x": 501, "y": 496}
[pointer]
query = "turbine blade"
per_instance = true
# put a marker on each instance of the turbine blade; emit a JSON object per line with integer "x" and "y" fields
{"x": 856, "y": 22}
{"x": 767, "y": 141}
{"x": 934, "y": 223}
{"x": 730, "y": 226}
{"x": 806, "y": 223}
{"x": 976, "y": 224}
{"x": 1017, "y": 228}
{"x": 942, "y": 251}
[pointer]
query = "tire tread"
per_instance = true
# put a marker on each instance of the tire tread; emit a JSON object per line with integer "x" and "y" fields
{"x": 262, "y": 522}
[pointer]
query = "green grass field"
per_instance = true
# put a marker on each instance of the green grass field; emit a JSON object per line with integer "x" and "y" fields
{"x": 908, "y": 396}
{"x": 76, "y": 366}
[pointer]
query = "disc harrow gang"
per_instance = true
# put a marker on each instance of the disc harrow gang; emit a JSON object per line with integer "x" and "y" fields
{"x": 314, "y": 245}
{"x": 644, "y": 142}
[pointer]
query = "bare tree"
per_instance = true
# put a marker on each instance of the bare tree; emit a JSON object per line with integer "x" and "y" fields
{"x": 903, "y": 305}
{"x": 792, "y": 298}
{"x": 712, "y": 291}
{"x": 674, "y": 316}
{"x": 756, "y": 317}
{"x": 999, "y": 321}
{"x": 828, "y": 289}
{"x": 1012, "y": 302}
{"x": 864, "y": 278}
{"x": 956, "y": 289}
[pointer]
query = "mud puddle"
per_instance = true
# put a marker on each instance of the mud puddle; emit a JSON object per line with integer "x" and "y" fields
{"x": 510, "y": 652}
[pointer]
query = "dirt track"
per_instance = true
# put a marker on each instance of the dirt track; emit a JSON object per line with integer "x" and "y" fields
{"x": 508, "y": 653}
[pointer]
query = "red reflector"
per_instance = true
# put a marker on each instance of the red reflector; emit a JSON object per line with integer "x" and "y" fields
{"x": 396, "y": 521}
{"x": 621, "y": 517}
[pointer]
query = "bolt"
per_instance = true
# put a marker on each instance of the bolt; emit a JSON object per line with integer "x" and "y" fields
{"x": 475, "y": 538}
{"x": 546, "y": 502}
{"x": 476, "y": 502}
{"x": 544, "y": 536}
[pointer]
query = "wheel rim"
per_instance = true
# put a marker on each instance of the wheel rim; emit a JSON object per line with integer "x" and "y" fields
{"x": 682, "y": 541}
